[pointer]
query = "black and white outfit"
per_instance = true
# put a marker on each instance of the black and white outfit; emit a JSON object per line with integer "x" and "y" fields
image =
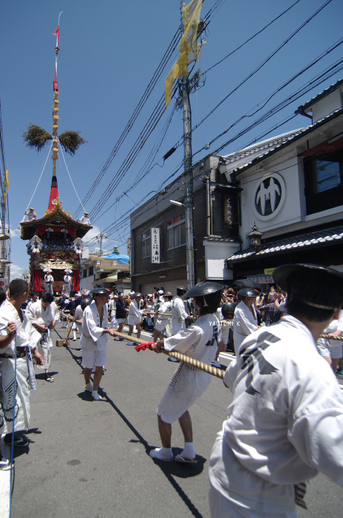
{"x": 199, "y": 341}
{"x": 93, "y": 341}
{"x": 285, "y": 424}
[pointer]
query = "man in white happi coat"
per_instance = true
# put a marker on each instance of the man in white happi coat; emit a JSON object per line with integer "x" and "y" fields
{"x": 161, "y": 320}
{"x": 135, "y": 315}
{"x": 179, "y": 313}
{"x": 285, "y": 423}
{"x": 94, "y": 339}
{"x": 49, "y": 282}
{"x": 332, "y": 350}
{"x": 245, "y": 319}
{"x": 18, "y": 344}
{"x": 67, "y": 279}
{"x": 199, "y": 341}
{"x": 44, "y": 315}
{"x": 78, "y": 316}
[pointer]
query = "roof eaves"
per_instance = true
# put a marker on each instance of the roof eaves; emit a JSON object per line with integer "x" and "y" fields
{"x": 316, "y": 98}
{"x": 308, "y": 129}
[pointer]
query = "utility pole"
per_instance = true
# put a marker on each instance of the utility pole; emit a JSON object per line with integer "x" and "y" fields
{"x": 188, "y": 173}
{"x": 100, "y": 237}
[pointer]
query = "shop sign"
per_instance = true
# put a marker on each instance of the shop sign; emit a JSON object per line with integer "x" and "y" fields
{"x": 269, "y": 196}
{"x": 262, "y": 279}
{"x": 155, "y": 245}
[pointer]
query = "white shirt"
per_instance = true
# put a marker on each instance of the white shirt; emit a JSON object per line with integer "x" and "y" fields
{"x": 179, "y": 314}
{"x": 164, "y": 308}
{"x": 26, "y": 334}
{"x": 92, "y": 329}
{"x": 134, "y": 314}
{"x": 38, "y": 314}
{"x": 285, "y": 423}
{"x": 199, "y": 341}
{"x": 244, "y": 323}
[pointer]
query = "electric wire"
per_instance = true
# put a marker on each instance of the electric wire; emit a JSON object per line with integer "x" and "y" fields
{"x": 129, "y": 125}
{"x": 305, "y": 89}
{"x": 132, "y": 155}
{"x": 147, "y": 167}
{"x": 263, "y": 63}
{"x": 284, "y": 103}
{"x": 115, "y": 226}
{"x": 252, "y": 37}
{"x": 307, "y": 21}
{"x": 157, "y": 74}
{"x": 313, "y": 83}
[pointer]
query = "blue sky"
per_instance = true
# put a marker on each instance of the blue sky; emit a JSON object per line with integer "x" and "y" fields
{"x": 109, "y": 52}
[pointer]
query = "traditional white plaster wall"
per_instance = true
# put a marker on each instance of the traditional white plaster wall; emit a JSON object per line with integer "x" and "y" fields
{"x": 215, "y": 255}
{"x": 327, "y": 105}
{"x": 290, "y": 213}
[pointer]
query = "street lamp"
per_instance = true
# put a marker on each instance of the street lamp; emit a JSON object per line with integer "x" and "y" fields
{"x": 177, "y": 203}
{"x": 255, "y": 237}
{"x": 191, "y": 266}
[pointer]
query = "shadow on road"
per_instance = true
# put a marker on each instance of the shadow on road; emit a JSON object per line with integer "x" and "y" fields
{"x": 169, "y": 469}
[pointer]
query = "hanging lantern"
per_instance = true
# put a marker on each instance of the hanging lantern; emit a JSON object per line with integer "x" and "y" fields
{"x": 255, "y": 237}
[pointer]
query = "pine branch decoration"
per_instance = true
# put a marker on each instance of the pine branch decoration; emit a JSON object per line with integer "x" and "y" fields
{"x": 71, "y": 141}
{"x": 36, "y": 137}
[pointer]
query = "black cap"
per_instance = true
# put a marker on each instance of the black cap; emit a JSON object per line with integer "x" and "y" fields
{"x": 228, "y": 309}
{"x": 101, "y": 291}
{"x": 204, "y": 288}
{"x": 85, "y": 303}
{"x": 282, "y": 273}
{"x": 248, "y": 292}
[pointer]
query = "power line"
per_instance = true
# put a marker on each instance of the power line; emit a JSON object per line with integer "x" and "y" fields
{"x": 157, "y": 74}
{"x": 263, "y": 63}
{"x": 252, "y": 37}
{"x": 115, "y": 226}
{"x": 263, "y": 103}
{"x": 133, "y": 153}
{"x": 153, "y": 82}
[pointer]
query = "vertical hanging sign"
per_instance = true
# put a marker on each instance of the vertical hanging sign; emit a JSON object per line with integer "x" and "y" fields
{"x": 155, "y": 245}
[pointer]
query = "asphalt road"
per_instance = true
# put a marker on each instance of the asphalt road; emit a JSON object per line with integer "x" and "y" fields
{"x": 90, "y": 459}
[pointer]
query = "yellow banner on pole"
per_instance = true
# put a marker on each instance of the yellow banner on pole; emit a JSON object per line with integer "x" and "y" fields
{"x": 189, "y": 47}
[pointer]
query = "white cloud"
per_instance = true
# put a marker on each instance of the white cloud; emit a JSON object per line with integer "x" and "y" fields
{"x": 92, "y": 241}
{"x": 16, "y": 271}
{"x": 14, "y": 233}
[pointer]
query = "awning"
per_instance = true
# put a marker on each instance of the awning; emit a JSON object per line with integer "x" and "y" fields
{"x": 315, "y": 239}
{"x": 110, "y": 278}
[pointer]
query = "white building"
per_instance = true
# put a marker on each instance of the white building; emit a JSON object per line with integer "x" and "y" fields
{"x": 292, "y": 190}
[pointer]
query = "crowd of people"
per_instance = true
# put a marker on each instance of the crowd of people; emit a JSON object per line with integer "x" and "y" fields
{"x": 285, "y": 423}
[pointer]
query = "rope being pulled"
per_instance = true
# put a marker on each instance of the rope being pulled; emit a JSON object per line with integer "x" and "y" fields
{"x": 214, "y": 371}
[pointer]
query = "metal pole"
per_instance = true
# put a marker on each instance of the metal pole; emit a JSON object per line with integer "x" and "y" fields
{"x": 188, "y": 173}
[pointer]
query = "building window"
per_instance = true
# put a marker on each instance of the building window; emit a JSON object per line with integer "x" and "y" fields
{"x": 146, "y": 245}
{"x": 176, "y": 232}
{"x": 91, "y": 271}
{"x": 324, "y": 181}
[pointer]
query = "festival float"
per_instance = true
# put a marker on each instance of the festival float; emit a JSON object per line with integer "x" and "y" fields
{"x": 55, "y": 240}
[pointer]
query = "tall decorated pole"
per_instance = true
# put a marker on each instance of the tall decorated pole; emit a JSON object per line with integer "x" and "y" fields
{"x": 55, "y": 118}
{"x": 55, "y": 240}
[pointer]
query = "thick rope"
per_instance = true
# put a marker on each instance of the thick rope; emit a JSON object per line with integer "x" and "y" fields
{"x": 332, "y": 337}
{"x": 214, "y": 371}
